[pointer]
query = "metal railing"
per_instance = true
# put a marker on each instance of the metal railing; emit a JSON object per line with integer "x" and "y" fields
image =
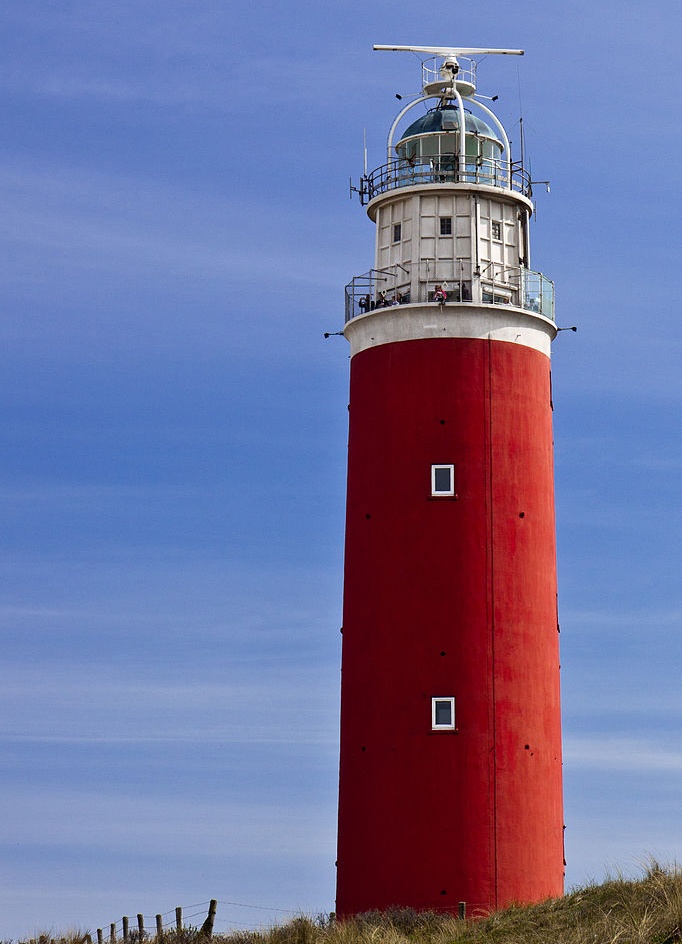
{"x": 417, "y": 283}
{"x": 431, "y": 70}
{"x": 444, "y": 170}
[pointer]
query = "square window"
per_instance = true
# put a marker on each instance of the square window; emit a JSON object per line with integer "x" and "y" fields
{"x": 446, "y": 226}
{"x": 397, "y": 232}
{"x": 442, "y": 480}
{"x": 496, "y": 228}
{"x": 443, "y": 714}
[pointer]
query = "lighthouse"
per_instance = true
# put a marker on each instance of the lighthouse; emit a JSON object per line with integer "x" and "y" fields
{"x": 450, "y": 794}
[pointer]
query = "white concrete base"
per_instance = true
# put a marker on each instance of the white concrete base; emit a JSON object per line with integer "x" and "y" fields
{"x": 452, "y": 320}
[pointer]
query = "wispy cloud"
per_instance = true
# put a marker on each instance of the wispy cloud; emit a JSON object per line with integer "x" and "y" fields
{"x": 622, "y": 753}
{"x": 94, "y": 819}
{"x": 60, "y": 220}
{"x": 254, "y": 702}
{"x": 170, "y": 55}
{"x": 622, "y": 620}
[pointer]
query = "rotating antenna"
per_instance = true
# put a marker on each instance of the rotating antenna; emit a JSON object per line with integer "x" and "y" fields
{"x": 451, "y": 51}
{"x": 446, "y": 77}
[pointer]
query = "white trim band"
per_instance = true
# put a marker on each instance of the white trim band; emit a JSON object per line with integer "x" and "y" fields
{"x": 417, "y": 322}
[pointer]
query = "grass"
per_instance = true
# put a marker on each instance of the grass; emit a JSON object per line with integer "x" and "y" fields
{"x": 619, "y": 911}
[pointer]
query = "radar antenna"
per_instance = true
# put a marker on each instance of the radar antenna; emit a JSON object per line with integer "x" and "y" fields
{"x": 448, "y": 74}
{"x": 451, "y": 51}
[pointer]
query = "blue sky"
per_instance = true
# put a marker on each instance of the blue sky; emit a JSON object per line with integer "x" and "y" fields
{"x": 176, "y": 234}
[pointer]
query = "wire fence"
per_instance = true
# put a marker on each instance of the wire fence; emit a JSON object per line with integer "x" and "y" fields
{"x": 200, "y": 916}
{"x": 127, "y": 929}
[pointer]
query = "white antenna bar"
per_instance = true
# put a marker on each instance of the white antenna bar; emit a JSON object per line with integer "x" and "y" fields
{"x": 452, "y": 50}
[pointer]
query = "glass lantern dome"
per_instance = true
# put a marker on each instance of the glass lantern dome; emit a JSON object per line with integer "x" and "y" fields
{"x": 436, "y": 137}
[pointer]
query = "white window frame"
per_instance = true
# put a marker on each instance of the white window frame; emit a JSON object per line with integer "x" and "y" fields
{"x": 451, "y": 491}
{"x": 443, "y": 727}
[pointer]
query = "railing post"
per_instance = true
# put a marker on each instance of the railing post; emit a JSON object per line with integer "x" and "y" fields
{"x": 476, "y": 289}
{"x": 207, "y": 926}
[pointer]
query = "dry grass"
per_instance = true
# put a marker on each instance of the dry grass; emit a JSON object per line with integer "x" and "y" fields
{"x": 619, "y": 911}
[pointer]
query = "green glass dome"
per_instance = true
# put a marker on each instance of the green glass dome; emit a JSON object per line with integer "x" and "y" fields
{"x": 447, "y": 119}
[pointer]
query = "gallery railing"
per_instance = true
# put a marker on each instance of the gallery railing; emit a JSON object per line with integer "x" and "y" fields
{"x": 493, "y": 285}
{"x": 444, "y": 170}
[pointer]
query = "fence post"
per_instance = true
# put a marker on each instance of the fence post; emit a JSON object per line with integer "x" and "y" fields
{"x": 100, "y": 936}
{"x": 125, "y": 928}
{"x": 159, "y": 927}
{"x": 178, "y": 918}
{"x": 140, "y": 925}
{"x": 462, "y": 910}
{"x": 112, "y": 933}
{"x": 207, "y": 926}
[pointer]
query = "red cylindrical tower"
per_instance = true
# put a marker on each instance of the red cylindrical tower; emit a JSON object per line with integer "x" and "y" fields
{"x": 450, "y": 772}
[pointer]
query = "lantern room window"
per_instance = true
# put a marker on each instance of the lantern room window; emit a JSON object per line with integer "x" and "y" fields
{"x": 446, "y": 226}
{"x": 397, "y": 232}
{"x": 442, "y": 481}
{"x": 443, "y": 714}
{"x": 496, "y": 227}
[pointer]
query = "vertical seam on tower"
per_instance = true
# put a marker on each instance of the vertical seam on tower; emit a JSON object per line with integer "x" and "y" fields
{"x": 490, "y": 757}
{"x": 491, "y": 565}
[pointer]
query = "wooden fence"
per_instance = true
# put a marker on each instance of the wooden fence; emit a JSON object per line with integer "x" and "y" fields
{"x": 140, "y": 933}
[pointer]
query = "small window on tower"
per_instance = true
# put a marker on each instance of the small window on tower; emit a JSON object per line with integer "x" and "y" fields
{"x": 442, "y": 480}
{"x": 496, "y": 228}
{"x": 446, "y": 226}
{"x": 443, "y": 714}
{"x": 397, "y": 232}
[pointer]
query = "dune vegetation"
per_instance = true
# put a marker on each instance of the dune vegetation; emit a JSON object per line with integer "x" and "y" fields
{"x": 618, "y": 911}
